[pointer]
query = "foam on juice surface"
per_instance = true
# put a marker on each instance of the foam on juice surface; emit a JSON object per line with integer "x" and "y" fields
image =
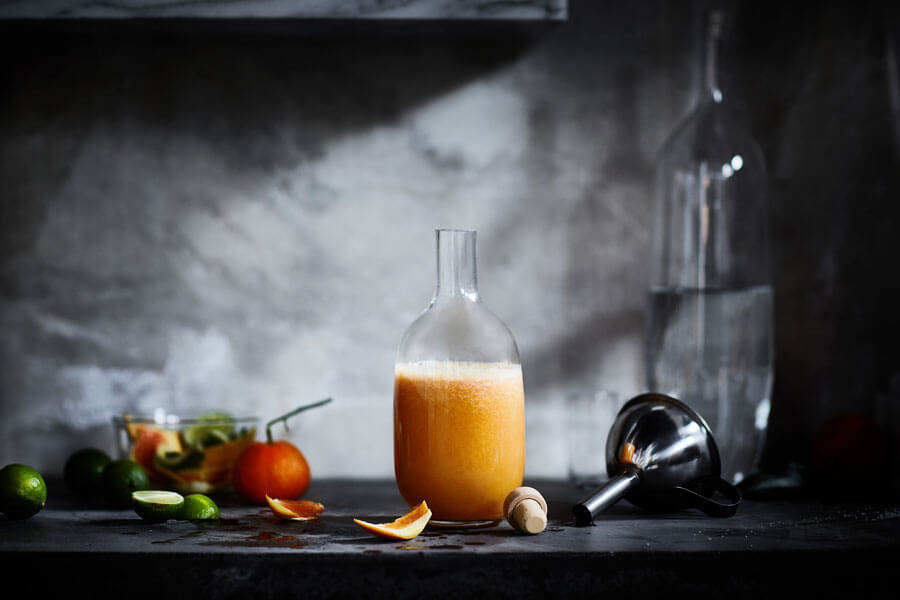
{"x": 465, "y": 374}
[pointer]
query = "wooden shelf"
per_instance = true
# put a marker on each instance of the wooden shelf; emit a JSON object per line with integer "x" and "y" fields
{"x": 525, "y": 10}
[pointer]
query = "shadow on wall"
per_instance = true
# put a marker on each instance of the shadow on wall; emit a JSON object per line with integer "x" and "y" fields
{"x": 281, "y": 96}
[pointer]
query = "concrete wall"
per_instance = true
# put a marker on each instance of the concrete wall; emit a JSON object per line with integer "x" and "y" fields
{"x": 243, "y": 220}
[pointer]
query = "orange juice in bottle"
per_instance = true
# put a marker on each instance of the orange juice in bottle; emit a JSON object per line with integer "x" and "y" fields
{"x": 459, "y": 436}
{"x": 459, "y": 404}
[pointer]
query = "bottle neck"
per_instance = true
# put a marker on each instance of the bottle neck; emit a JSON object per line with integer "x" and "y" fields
{"x": 712, "y": 43}
{"x": 456, "y": 270}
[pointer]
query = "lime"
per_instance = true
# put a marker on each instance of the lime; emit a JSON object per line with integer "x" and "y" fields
{"x": 84, "y": 470}
{"x": 204, "y": 436}
{"x": 157, "y": 506}
{"x": 22, "y": 491}
{"x": 198, "y": 506}
{"x": 120, "y": 479}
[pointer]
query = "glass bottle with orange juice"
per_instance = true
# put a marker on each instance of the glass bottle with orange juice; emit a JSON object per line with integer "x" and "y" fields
{"x": 459, "y": 402}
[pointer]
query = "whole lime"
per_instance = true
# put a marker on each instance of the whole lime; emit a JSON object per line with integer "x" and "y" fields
{"x": 199, "y": 507}
{"x": 83, "y": 472}
{"x": 22, "y": 491}
{"x": 120, "y": 479}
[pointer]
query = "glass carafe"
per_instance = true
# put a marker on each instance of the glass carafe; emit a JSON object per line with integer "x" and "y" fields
{"x": 459, "y": 405}
{"x": 710, "y": 327}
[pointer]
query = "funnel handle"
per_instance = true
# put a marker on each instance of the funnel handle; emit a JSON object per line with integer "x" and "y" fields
{"x": 697, "y": 500}
{"x": 599, "y": 500}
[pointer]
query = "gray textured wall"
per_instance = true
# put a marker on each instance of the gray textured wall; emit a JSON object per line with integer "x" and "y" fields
{"x": 194, "y": 219}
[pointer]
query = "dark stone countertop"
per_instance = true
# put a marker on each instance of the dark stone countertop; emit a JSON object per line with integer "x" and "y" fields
{"x": 797, "y": 546}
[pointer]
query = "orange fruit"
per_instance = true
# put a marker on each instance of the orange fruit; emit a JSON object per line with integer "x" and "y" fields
{"x": 274, "y": 469}
{"x": 295, "y": 510}
{"x": 848, "y": 451}
{"x": 405, "y": 528}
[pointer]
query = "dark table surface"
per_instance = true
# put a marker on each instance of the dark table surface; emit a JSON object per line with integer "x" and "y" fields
{"x": 786, "y": 547}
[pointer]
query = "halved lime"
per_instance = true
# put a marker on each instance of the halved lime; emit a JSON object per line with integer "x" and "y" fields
{"x": 199, "y": 507}
{"x": 157, "y": 505}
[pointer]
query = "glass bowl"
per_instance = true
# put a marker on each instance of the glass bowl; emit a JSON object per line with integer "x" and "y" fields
{"x": 185, "y": 453}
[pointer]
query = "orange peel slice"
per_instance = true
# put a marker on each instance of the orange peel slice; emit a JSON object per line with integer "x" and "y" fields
{"x": 405, "y": 528}
{"x": 295, "y": 510}
{"x": 223, "y": 456}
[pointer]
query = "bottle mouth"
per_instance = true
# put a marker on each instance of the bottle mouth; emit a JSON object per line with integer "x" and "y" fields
{"x": 456, "y": 267}
{"x": 453, "y": 230}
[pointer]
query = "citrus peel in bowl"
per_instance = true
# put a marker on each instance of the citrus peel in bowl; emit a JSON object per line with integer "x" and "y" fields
{"x": 405, "y": 528}
{"x": 150, "y": 441}
{"x": 295, "y": 510}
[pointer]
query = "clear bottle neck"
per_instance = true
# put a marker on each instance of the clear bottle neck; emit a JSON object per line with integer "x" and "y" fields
{"x": 712, "y": 44}
{"x": 456, "y": 267}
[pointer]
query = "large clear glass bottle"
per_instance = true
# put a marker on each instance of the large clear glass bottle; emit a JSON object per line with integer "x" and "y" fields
{"x": 709, "y": 339}
{"x": 459, "y": 405}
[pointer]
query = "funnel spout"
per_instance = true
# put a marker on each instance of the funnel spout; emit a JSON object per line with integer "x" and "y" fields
{"x": 599, "y": 500}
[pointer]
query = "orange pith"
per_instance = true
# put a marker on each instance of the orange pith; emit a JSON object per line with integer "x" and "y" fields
{"x": 295, "y": 510}
{"x": 405, "y": 528}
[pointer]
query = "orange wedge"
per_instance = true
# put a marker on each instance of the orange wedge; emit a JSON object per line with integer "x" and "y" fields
{"x": 405, "y": 528}
{"x": 295, "y": 510}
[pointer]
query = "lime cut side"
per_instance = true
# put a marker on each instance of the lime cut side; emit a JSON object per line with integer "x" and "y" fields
{"x": 157, "y": 505}
{"x": 157, "y": 497}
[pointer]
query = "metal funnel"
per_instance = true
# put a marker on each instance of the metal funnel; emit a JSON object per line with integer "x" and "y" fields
{"x": 660, "y": 456}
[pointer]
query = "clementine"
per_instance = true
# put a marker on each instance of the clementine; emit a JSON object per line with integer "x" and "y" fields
{"x": 276, "y": 469}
